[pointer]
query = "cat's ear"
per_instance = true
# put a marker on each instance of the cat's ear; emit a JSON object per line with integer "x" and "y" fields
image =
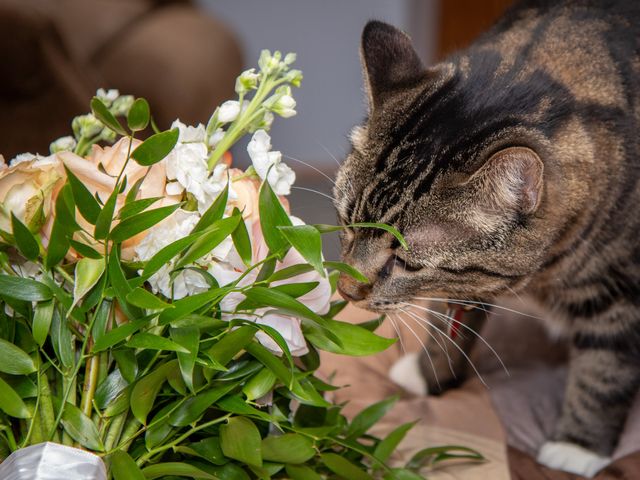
{"x": 388, "y": 60}
{"x": 510, "y": 180}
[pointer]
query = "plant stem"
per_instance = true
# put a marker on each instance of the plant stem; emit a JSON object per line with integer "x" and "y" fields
{"x": 114, "y": 432}
{"x": 35, "y": 418}
{"x": 129, "y": 433}
{"x": 144, "y": 458}
{"x": 90, "y": 383}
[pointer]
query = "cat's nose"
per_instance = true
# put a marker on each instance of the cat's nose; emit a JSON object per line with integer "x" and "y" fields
{"x": 352, "y": 290}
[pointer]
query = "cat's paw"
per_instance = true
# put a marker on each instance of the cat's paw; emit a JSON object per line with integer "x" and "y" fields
{"x": 406, "y": 373}
{"x": 571, "y": 458}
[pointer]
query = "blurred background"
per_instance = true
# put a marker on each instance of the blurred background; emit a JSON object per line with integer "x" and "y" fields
{"x": 183, "y": 56}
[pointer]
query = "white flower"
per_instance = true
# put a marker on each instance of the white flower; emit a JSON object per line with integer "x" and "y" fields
{"x": 187, "y": 164}
{"x": 176, "y": 226}
{"x": 281, "y": 177}
{"x": 229, "y": 111}
{"x": 63, "y": 144}
{"x": 173, "y": 188}
{"x": 215, "y": 137}
{"x": 189, "y": 134}
{"x": 213, "y": 185}
{"x": 122, "y": 105}
{"x": 285, "y": 106}
{"x": 289, "y": 328}
{"x": 248, "y": 80}
{"x": 22, "y": 157}
{"x": 86, "y": 126}
{"x": 268, "y": 165}
{"x": 107, "y": 96}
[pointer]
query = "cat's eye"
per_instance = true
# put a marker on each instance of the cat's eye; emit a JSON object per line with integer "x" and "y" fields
{"x": 405, "y": 265}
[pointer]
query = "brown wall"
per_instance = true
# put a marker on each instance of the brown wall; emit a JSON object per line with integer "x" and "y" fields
{"x": 461, "y": 21}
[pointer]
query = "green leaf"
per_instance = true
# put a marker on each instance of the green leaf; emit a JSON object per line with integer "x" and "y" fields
{"x": 62, "y": 339}
{"x": 211, "y": 238}
{"x": 163, "y": 470}
{"x": 81, "y": 428}
{"x": 289, "y": 272}
{"x": 386, "y": 228}
{"x": 144, "y": 299}
{"x": 103, "y": 222}
{"x": 296, "y": 290}
{"x": 241, "y": 240}
{"x": 123, "y": 467}
{"x": 85, "y": 250}
{"x": 165, "y": 254}
{"x": 240, "y": 440}
{"x": 214, "y": 212}
{"x": 287, "y": 448}
{"x": 189, "y": 304}
{"x": 121, "y": 285}
{"x": 136, "y": 206}
{"x": 140, "y": 222}
{"x": 42, "y": 321}
{"x": 273, "y": 363}
{"x": 58, "y": 244}
{"x": 139, "y": 114}
{"x": 25, "y": 241}
{"x": 301, "y": 472}
{"x": 154, "y": 342}
{"x": 402, "y": 474}
{"x": 10, "y": 401}
{"x": 118, "y": 334}
{"x": 26, "y": 289}
{"x": 146, "y": 389}
{"x": 274, "y": 298}
{"x": 434, "y": 455}
{"x": 156, "y": 147}
{"x": 87, "y": 204}
{"x": 368, "y": 417}
{"x": 348, "y": 269}
{"x": 14, "y": 360}
{"x": 88, "y": 272}
{"x": 109, "y": 389}
{"x": 102, "y": 113}
{"x": 344, "y": 468}
{"x": 209, "y": 449}
{"x": 193, "y": 408}
{"x": 127, "y": 363}
{"x": 356, "y": 341}
{"x": 133, "y": 191}
{"x": 307, "y": 241}
{"x": 230, "y": 344}
{"x": 387, "y": 446}
{"x": 189, "y": 338}
{"x": 260, "y": 384}
{"x": 272, "y": 216}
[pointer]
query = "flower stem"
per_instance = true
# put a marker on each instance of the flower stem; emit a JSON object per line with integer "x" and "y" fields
{"x": 114, "y": 431}
{"x": 92, "y": 369}
{"x": 144, "y": 458}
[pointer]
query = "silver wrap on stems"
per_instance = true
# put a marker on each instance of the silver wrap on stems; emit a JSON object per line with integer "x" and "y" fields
{"x": 52, "y": 461}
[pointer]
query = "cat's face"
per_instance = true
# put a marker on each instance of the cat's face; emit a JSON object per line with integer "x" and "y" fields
{"x": 464, "y": 196}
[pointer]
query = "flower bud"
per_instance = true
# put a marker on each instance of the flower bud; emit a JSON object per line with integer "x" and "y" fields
{"x": 86, "y": 126}
{"x": 215, "y": 137}
{"x": 122, "y": 105}
{"x": 229, "y": 111}
{"x": 248, "y": 80}
{"x": 289, "y": 58}
{"x": 63, "y": 144}
{"x": 294, "y": 77}
{"x": 107, "y": 96}
{"x": 285, "y": 106}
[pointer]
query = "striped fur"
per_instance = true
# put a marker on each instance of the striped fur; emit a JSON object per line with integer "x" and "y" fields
{"x": 512, "y": 166}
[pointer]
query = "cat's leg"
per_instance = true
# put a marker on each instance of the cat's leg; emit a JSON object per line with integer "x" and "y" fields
{"x": 603, "y": 380}
{"x": 443, "y": 365}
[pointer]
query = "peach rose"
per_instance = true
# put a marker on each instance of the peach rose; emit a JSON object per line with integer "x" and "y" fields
{"x": 113, "y": 160}
{"x": 28, "y": 189}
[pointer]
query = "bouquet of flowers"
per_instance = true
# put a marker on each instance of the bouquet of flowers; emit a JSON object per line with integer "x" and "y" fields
{"x": 164, "y": 310}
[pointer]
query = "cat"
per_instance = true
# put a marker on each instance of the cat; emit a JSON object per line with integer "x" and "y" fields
{"x": 512, "y": 166}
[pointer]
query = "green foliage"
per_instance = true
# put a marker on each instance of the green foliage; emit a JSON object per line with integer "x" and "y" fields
{"x": 173, "y": 388}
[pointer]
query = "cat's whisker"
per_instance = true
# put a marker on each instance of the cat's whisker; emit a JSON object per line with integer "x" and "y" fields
{"x": 424, "y": 348}
{"x": 468, "y": 328}
{"x": 474, "y": 303}
{"x": 315, "y": 191}
{"x": 329, "y": 153}
{"x": 398, "y": 334}
{"x": 464, "y": 354}
{"x": 317, "y": 170}
{"x": 442, "y": 347}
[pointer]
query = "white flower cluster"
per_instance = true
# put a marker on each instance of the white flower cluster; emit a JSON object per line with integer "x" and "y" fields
{"x": 187, "y": 168}
{"x": 268, "y": 164}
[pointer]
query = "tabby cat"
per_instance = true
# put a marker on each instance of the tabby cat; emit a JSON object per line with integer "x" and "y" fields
{"x": 512, "y": 166}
